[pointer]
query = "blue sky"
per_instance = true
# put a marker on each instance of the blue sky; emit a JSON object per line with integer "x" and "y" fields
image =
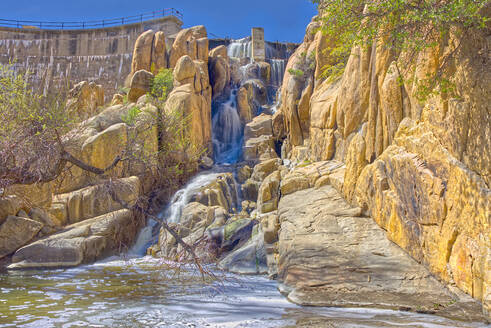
{"x": 283, "y": 20}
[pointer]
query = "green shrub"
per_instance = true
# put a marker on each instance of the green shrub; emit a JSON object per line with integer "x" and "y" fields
{"x": 162, "y": 84}
{"x": 130, "y": 117}
{"x": 403, "y": 25}
{"x": 296, "y": 72}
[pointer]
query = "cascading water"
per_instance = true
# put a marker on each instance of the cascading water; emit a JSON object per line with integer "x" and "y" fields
{"x": 227, "y": 135}
{"x": 172, "y": 213}
{"x": 277, "y": 71}
{"x": 241, "y": 48}
{"x": 227, "y": 131}
{"x": 277, "y": 102}
{"x": 181, "y": 198}
{"x": 227, "y": 141}
{"x": 145, "y": 239}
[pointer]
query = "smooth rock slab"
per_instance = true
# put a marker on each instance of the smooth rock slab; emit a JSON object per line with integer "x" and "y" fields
{"x": 248, "y": 259}
{"x": 15, "y": 232}
{"x": 329, "y": 255}
{"x": 83, "y": 242}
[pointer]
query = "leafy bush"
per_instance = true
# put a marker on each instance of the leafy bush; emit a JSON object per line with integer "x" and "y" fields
{"x": 162, "y": 84}
{"x": 130, "y": 117}
{"x": 403, "y": 25}
{"x": 296, "y": 72}
{"x": 31, "y": 125}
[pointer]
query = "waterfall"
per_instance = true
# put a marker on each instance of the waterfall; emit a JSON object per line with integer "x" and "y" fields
{"x": 277, "y": 102}
{"x": 227, "y": 138}
{"x": 227, "y": 131}
{"x": 241, "y": 48}
{"x": 172, "y": 213}
{"x": 144, "y": 240}
{"x": 277, "y": 71}
{"x": 181, "y": 198}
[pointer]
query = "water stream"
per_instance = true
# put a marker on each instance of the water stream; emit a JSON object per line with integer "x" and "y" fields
{"x": 227, "y": 131}
{"x": 143, "y": 292}
{"x": 241, "y": 48}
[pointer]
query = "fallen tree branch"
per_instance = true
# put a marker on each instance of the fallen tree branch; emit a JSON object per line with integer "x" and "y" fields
{"x": 86, "y": 167}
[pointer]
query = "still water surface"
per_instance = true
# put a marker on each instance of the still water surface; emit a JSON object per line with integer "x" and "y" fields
{"x": 141, "y": 292}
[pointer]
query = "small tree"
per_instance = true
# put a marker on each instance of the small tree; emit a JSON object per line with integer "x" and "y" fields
{"x": 162, "y": 84}
{"x": 29, "y": 132}
{"x": 36, "y": 133}
{"x": 403, "y": 25}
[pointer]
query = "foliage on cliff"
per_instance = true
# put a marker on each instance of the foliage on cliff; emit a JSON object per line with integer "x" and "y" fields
{"x": 28, "y": 132}
{"x": 162, "y": 84}
{"x": 40, "y": 141}
{"x": 408, "y": 26}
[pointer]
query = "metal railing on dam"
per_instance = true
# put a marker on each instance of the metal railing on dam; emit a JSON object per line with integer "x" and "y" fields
{"x": 27, "y": 24}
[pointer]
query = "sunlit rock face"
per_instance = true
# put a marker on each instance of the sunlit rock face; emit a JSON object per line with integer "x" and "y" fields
{"x": 420, "y": 169}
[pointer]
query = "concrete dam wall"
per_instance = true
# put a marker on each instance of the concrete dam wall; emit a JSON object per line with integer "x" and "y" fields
{"x": 59, "y": 58}
{"x": 102, "y": 55}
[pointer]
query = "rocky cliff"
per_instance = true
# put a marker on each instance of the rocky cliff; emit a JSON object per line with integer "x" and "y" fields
{"x": 81, "y": 217}
{"x": 421, "y": 170}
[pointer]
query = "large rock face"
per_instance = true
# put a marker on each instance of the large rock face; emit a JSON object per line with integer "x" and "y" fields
{"x": 192, "y": 97}
{"x": 83, "y": 242}
{"x": 432, "y": 206}
{"x": 419, "y": 168}
{"x": 330, "y": 254}
{"x": 141, "y": 84}
{"x": 192, "y": 42}
{"x": 95, "y": 200}
{"x": 297, "y": 87}
{"x": 149, "y": 53}
{"x": 15, "y": 232}
{"x": 259, "y": 143}
{"x": 84, "y": 99}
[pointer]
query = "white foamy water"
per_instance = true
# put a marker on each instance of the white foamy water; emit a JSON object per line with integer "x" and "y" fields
{"x": 145, "y": 239}
{"x": 144, "y": 292}
{"x": 241, "y": 48}
{"x": 181, "y": 198}
{"x": 277, "y": 71}
{"x": 227, "y": 131}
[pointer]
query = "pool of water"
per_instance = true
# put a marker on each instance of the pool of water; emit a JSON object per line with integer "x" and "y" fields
{"x": 145, "y": 292}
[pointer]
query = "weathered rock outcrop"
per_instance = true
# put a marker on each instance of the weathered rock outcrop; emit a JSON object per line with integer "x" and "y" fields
{"x": 95, "y": 200}
{"x": 192, "y": 42}
{"x": 192, "y": 96}
{"x": 330, "y": 254}
{"x": 419, "y": 168}
{"x": 140, "y": 84}
{"x": 15, "y": 232}
{"x": 83, "y": 242}
{"x": 84, "y": 99}
{"x": 297, "y": 88}
{"x": 259, "y": 143}
{"x": 45, "y": 208}
{"x": 248, "y": 259}
{"x": 150, "y": 53}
